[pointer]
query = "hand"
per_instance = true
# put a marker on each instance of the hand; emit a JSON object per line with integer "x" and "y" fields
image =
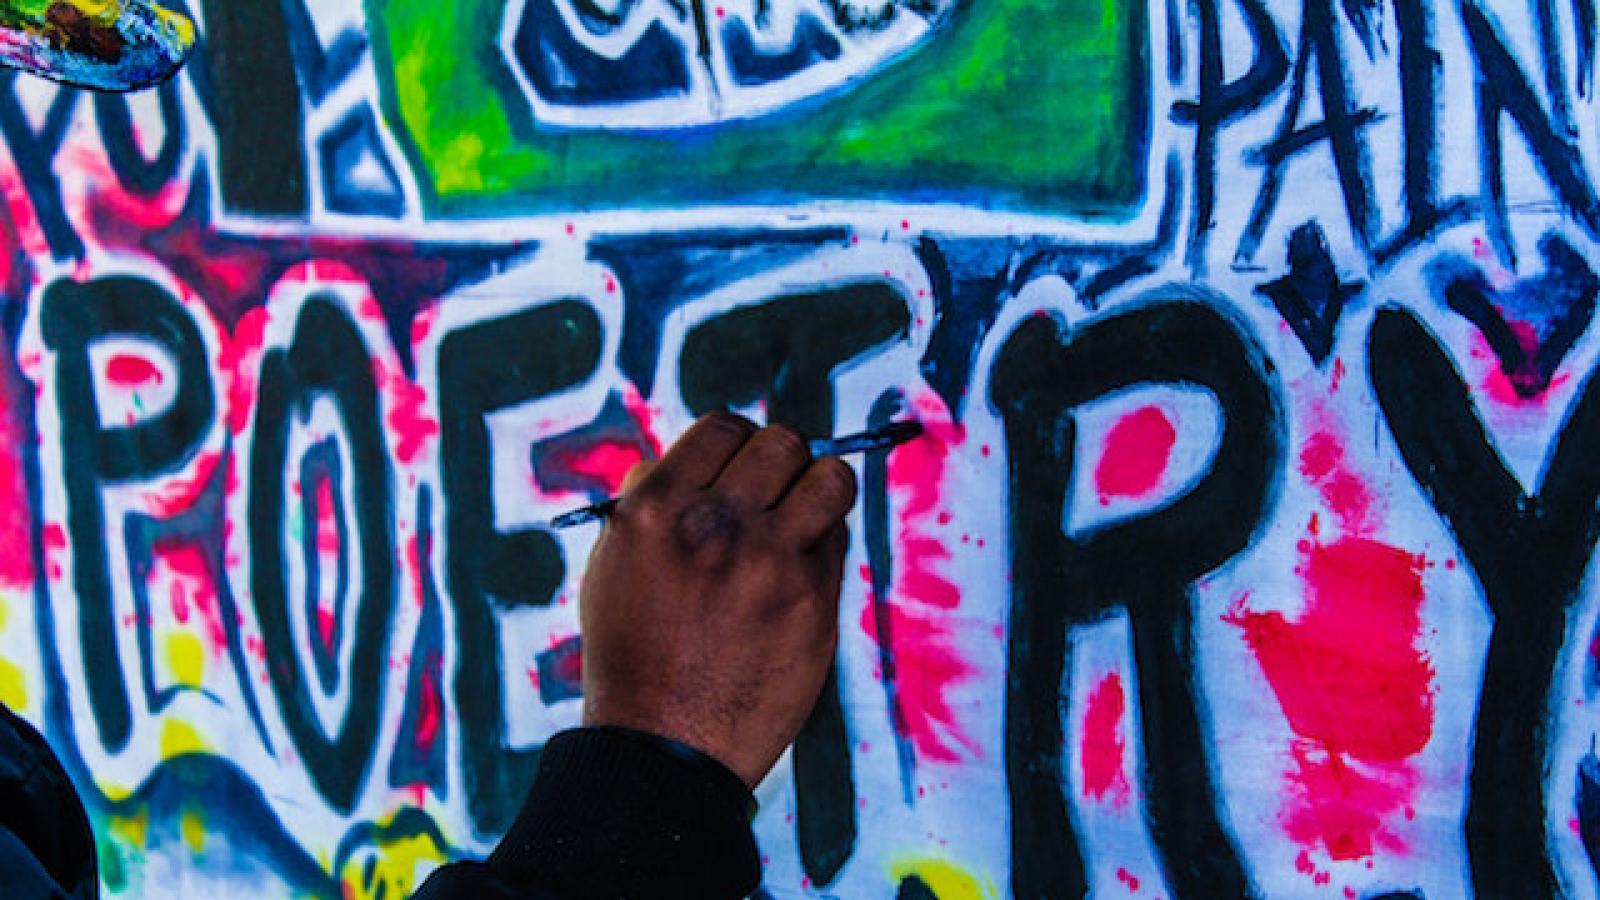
{"x": 710, "y": 607}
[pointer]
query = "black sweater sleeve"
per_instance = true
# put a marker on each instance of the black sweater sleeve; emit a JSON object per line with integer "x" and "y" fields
{"x": 46, "y": 849}
{"x": 615, "y": 813}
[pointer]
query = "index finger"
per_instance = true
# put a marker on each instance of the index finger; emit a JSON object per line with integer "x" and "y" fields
{"x": 818, "y": 501}
{"x": 700, "y": 455}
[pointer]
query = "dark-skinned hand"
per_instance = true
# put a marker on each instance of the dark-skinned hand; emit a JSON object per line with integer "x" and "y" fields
{"x": 710, "y": 606}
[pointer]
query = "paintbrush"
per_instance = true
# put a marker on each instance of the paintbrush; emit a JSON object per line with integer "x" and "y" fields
{"x": 884, "y": 438}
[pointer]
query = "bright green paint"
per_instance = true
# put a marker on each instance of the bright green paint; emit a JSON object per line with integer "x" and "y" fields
{"x": 1029, "y": 104}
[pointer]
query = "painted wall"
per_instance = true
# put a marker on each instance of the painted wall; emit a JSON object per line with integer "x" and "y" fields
{"x": 1248, "y": 553}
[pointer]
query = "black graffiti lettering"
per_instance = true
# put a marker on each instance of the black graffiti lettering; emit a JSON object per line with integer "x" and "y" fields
{"x": 786, "y": 350}
{"x": 1148, "y": 563}
{"x": 134, "y": 171}
{"x": 34, "y": 153}
{"x": 253, "y": 100}
{"x": 1340, "y": 126}
{"x": 73, "y": 317}
{"x": 1529, "y": 554}
{"x": 1555, "y": 70}
{"x": 486, "y": 367}
{"x": 326, "y": 358}
{"x": 1419, "y": 93}
{"x": 1221, "y": 101}
{"x": 1504, "y": 90}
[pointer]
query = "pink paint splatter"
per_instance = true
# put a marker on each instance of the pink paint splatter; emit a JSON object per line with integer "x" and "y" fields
{"x": 422, "y": 323}
{"x": 1348, "y": 673}
{"x": 240, "y": 359}
{"x": 607, "y": 462}
{"x": 922, "y": 597}
{"x": 1137, "y": 450}
{"x": 1128, "y": 879}
{"x": 54, "y": 538}
{"x": 413, "y": 561}
{"x": 326, "y": 540}
{"x": 1501, "y": 388}
{"x": 430, "y": 713}
{"x": 1103, "y": 744}
{"x": 644, "y": 416}
{"x": 193, "y": 584}
{"x": 126, "y": 370}
{"x": 327, "y": 534}
{"x": 181, "y": 494}
{"x": 1322, "y": 462}
{"x": 16, "y": 510}
{"x": 408, "y": 419}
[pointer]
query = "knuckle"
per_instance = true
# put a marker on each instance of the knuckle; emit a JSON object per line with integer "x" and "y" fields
{"x": 643, "y": 508}
{"x": 787, "y": 441}
{"x": 708, "y": 521}
{"x": 836, "y": 483}
{"x": 731, "y": 423}
{"x": 648, "y": 481}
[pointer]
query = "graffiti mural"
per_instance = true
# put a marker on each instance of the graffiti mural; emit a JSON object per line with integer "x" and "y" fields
{"x": 1247, "y": 553}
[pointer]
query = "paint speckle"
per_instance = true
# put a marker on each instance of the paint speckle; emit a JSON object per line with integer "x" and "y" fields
{"x": 1137, "y": 451}
{"x": 16, "y": 511}
{"x": 130, "y": 371}
{"x": 1355, "y": 688}
{"x": 923, "y": 598}
{"x": 1102, "y": 747}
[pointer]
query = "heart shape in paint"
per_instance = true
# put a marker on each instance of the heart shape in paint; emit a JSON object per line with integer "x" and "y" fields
{"x": 1531, "y": 324}
{"x": 109, "y": 45}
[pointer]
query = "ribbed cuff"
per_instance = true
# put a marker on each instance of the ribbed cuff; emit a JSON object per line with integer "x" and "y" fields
{"x": 618, "y": 813}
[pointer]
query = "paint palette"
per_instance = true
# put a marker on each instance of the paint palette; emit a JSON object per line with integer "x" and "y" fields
{"x": 111, "y": 45}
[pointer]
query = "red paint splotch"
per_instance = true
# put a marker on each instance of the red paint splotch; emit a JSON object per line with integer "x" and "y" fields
{"x": 922, "y": 597}
{"x": 1350, "y": 677}
{"x": 1137, "y": 450}
{"x": 1128, "y": 879}
{"x": 131, "y": 371}
{"x": 1103, "y": 746}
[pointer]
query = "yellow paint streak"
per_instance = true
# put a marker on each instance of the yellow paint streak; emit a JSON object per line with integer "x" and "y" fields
{"x": 401, "y": 865}
{"x": 133, "y": 830}
{"x": 5, "y": 612}
{"x": 105, "y": 11}
{"x": 193, "y": 828}
{"x": 947, "y": 880}
{"x": 180, "y": 738}
{"x": 180, "y": 26}
{"x": 13, "y": 685}
{"x": 186, "y": 657}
